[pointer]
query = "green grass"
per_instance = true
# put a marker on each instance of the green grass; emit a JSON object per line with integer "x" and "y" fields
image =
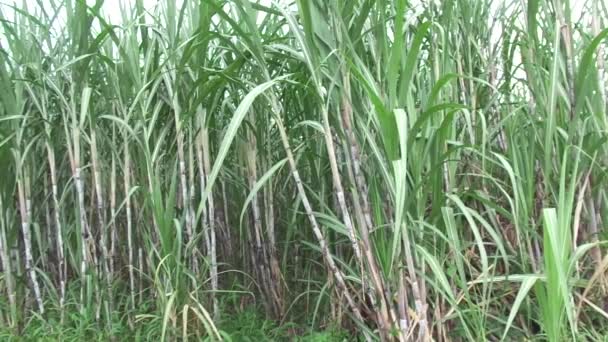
{"x": 247, "y": 325}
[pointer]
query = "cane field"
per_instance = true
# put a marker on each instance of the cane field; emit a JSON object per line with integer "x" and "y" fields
{"x": 303, "y": 170}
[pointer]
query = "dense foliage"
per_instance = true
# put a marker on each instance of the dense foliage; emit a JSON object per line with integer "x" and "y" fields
{"x": 383, "y": 169}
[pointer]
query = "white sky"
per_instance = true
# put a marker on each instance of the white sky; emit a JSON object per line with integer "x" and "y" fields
{"x": 112, "y": 8}
{"x": 112, "y": 11}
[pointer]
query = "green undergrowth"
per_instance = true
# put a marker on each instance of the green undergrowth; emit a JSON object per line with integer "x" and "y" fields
{"x": 235, "y": 324}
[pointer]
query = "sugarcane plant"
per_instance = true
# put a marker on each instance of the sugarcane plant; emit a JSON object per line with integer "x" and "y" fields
{"x": 403, "y": 170}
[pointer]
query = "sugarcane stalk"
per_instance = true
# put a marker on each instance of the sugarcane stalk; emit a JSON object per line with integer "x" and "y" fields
{"x": 211, "y": 222}
{"x": 276, "y": 277}
{"x": 25, "y": 209}
{"x": 88, "y": 246}
{"x": 402, "y": 305}
{"x": 327, "y": 257}
{"x": 386, "y": 315}
{"x": 226, "y": 224}
{"x": 190, "y": 211}
{"x": 260, "y": 254}
{"x": 203, "y": 182}
{"x": 339, "y": 190}
{"x": 48, "y": 232}
{"x": 112, "y": 233}
{"x": 58, "y": 229}
{"x": 101, "y": 219}
{"x": 182, "y": 170}
{"x": 140, "y": 259}
{"x": 416, "y": 288}
{"x": 127, "y": 189}
{"x": 7, "y": 268}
